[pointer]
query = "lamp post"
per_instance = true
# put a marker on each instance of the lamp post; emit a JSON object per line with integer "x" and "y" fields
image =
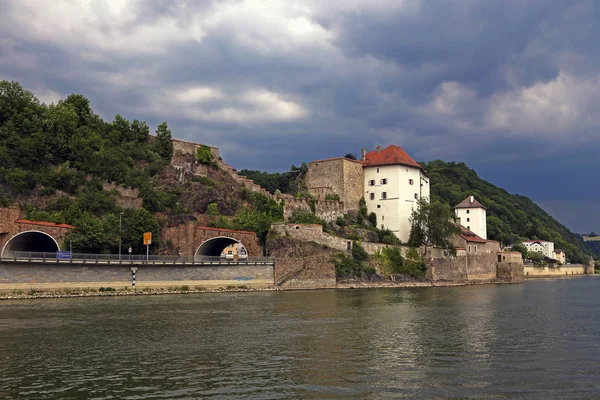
{"x": 120, "y": 234}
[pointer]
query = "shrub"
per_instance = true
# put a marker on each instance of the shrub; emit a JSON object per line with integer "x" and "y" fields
{"x": 332, "y": 197}
{"x": 372, "y": 218}
{"x": 204, "y": 155}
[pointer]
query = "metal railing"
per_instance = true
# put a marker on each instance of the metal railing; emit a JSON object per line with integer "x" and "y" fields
{"x": 64, "y": 257}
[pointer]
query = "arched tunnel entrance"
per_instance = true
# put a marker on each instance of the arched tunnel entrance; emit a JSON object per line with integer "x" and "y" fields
{"x": 31, "y": 241}
{"x": 215, "y": 246}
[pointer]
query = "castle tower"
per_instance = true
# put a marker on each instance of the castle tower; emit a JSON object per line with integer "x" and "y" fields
{"x": 472, "y": 215}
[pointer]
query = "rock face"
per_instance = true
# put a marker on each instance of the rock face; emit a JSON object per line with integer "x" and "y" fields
{"x": 301, "y": 264}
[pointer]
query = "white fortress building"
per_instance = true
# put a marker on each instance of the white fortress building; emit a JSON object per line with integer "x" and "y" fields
{"x": 394, "y": 182}
{"x": 472, "y": 215}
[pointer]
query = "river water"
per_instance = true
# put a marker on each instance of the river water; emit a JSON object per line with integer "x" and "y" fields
{"x": 540, "y": 340}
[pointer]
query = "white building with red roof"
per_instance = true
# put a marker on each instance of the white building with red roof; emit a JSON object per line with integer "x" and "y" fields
{"x": 540, "y": 246}
{"x": 472, "y": 214}
{"x": 394, "y": 183}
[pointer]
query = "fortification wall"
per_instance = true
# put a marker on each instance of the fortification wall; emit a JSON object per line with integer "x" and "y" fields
{"x": 327, "y": 210}
{"x": 531, "y": 271}
{"x": 314, "y": 272}
{"x": 314, "y": 233}
{"x": 481, "y": 267}
{"x": 510, "y": 272}
{"x": 447, "y": 269}
{"x": 354, "y": 184}
{"x": 61, "y": 276}
{"x": 341, "y": 176}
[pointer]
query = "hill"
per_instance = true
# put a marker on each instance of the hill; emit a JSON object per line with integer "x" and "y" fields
{"x": 62, "y": 163}
{"x": 510, "y": 217}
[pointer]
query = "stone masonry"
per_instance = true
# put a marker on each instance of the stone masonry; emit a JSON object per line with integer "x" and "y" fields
{"x": 341, "y": 176}
{"x": 189, "y": 237}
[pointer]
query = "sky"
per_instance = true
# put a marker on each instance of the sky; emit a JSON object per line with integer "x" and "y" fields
{"x": 512, "y": 88}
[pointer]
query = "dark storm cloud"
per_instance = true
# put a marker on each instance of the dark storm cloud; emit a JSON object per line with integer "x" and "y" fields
{"x": 508, "y": 87}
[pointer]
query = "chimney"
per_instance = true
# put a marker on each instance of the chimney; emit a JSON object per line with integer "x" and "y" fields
{"x": 364, "y": 155}
{"x": 378, "y": 149}
{"x": 472, "y": 199}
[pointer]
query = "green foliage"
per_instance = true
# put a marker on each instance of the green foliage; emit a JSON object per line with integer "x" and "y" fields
{"x": 521, "y": 249}
{"x": 332, "y": 197}
{"x": 393, "y": 263}
{"x": 536, "y": 258}
{"x": 305, "y": 217}
{"x": 372, "y": 218}
{"x": 164, "y": 146}
{"x": 353, "y": 265}
{"x": 362, "y": 209}
{"x": 511, "y": 217}
{"x": 433, "y": 223}
{"x": 204, "y": 155}
{"x": 386, "y": 236}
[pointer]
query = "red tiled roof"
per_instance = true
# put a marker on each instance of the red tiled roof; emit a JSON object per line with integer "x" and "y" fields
{"x": 533, "y": 241}
{"x": 466, "y": 203}
{"x": 43, "y": 223}
{"x": 207, "y": 228}
{"x": 391, "y": 155}
{"x": 471, "y": 236}
{"x": 336, "y": 158}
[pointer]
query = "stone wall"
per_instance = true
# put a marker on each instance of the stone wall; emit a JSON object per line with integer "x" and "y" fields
{"x": 314, "y": 233}
{"x": 447, "y": 269}
{"x": 313, "y": 272}
{"x": 481, "y": 267}
{"x": 341, "y": 176}
{"x": 531, "y": 271}
{"x": 327, "y": 210}
{"x": 127, "y": 197}
{"x": 509, "y": 272}
{"x": 63, "y": 275}
{"x": 189, "y": 237}
{"x": 190, "y": 148}
{"x": 14, "y": 227}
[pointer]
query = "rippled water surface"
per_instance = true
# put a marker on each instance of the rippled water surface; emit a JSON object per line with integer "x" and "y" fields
{"x": 536, "y": 340}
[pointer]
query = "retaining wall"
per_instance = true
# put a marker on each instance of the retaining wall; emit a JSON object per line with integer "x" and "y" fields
{"x": 26, "y": 276}
{"x": 531, "y": 271}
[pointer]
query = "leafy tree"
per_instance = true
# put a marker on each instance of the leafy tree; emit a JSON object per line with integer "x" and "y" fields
{"x": 204, "y": 155}
{"x": 350, "y": 156}
{"x": 372, "y": 218}
{"x": 164, "y": 146}
{"x": 137, "y": 223}
{"x": 433, "y": 223}
{"x": 521, "y": 249}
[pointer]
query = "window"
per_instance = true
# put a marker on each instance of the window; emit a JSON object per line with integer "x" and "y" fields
{"x": 468, "y": 227}
{"x": 475, "y": 249}
{"x": 382, "y": 217}
{"x": 378, "y": 205}
{"x": 469, "y": 248}
{"x": 468, "y": 211}
{"x": 411, "y": 182}
{"x": 371, "y": 196}
{"x": 372, "y": 182}
{"x": 383, "y": 181}
{"x": 349, "y": 245}
{"x": 377, "y": 170}
{"x": 384, "y": 195}
{"x": 416, "y": 196}
{"x": 468, "y": 219}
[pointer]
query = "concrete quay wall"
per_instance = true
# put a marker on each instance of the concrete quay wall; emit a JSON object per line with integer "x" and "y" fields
{"x": 531, "y": 271}
{"x": 47, "y": 276}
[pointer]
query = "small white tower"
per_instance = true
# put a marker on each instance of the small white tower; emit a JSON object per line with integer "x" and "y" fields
{"x": 472, "y": 215}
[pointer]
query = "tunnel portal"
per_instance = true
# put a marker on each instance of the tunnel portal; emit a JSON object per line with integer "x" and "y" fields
{"x": 31, "y": 241}
{"x": 213, "y": 247}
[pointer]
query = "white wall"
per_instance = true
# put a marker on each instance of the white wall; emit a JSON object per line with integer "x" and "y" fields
{"x": 394, "y": 211}
{"x": 546, "y": 248}
{"x": 473, "y": 219}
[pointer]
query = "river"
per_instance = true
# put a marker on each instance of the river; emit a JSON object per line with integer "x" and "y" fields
{"x": 540, "y": 340}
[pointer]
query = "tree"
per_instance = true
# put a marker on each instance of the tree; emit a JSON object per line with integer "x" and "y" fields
{"x": 164, "y": 146}
{"x": 521, "y": 249}
{"x": 350, "y": 156}
{"x": 138, "y": 222}
{"x": 433, "y": 223}
{"x": 204, "y": 155}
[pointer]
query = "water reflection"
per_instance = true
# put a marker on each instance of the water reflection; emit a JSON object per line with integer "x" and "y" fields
{"x": 540, "y": 339}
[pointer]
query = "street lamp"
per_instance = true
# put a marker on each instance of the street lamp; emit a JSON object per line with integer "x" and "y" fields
{"x": 120, "y": 234}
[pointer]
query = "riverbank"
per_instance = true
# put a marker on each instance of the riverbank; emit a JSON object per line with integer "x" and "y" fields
{"x": 112, "y": 292}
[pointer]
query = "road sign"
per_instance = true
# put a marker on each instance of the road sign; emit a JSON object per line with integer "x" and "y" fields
{"x": 147, "y": 238}
{"x": 63, "y": 255}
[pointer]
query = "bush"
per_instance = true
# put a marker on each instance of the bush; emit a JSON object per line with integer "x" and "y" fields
{"x": 372, "y": 218}
{"x": 332, "y": 197}
{"x": 204, "y": 155}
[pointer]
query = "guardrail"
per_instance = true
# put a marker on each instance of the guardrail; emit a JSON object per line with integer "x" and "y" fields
{"x": 65, "y": 257}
